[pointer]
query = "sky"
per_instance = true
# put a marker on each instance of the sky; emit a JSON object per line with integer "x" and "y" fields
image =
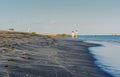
{"x": 89, "y": 17}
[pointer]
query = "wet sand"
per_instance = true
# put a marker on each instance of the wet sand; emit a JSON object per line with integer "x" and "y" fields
{"x": 41, "y": 56}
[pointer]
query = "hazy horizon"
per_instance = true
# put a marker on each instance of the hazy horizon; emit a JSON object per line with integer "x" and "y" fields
{"x": 89, "y": 17}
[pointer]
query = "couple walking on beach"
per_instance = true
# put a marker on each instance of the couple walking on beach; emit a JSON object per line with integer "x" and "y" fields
{"x": 74, "y": 34}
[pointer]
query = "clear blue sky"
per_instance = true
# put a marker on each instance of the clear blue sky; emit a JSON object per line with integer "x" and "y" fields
{"x": 61, "y": 16}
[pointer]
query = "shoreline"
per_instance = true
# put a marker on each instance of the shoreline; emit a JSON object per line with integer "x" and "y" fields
{"x": 106, "y": 58}
{"x": 24, "y": 55}
{"x": 85, "y": 59}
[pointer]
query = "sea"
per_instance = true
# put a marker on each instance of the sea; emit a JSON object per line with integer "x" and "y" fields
{"x": 108, "y": 54}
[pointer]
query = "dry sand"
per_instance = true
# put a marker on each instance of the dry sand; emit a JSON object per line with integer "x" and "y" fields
{"x": 42, "y": 56}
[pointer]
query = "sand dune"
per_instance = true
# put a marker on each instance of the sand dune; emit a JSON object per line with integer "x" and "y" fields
{"x": 26, "y": 55}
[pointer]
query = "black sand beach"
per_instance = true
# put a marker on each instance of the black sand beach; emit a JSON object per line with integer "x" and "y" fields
{"x": 43, "y": 56}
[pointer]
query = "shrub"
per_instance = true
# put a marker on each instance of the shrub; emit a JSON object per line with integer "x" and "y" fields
{"x": 33, "y": 33}
{"x": 63, "y": 35}
{"x": 11, "y": 29}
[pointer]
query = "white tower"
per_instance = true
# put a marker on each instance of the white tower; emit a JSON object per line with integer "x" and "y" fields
{"x": 28, "y": 30}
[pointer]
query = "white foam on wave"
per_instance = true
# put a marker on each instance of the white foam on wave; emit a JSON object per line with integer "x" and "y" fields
{"x": 107, "y": 56}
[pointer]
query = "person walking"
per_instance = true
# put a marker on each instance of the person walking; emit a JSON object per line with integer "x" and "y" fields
{"x": 73, "y": 34}
{"x": 76, "y": 34}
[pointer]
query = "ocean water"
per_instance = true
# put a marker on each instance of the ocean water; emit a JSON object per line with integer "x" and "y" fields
{"x": 108, "y": 38}
{"x": 108, "y": 54}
